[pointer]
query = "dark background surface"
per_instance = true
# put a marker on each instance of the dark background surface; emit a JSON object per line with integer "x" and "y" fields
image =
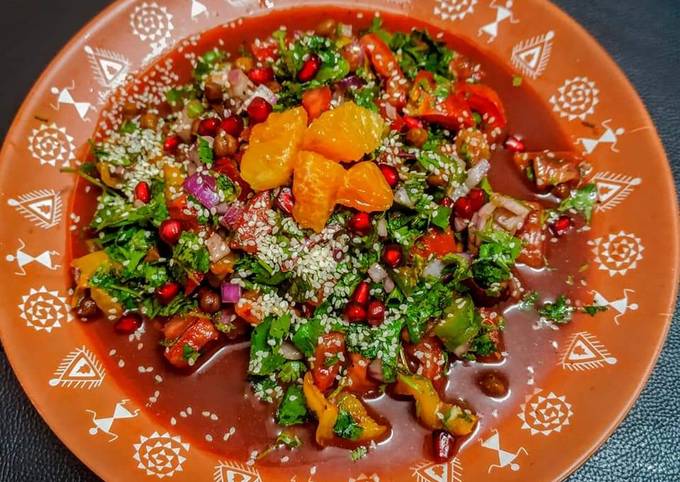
{"x": 642, "y": 36}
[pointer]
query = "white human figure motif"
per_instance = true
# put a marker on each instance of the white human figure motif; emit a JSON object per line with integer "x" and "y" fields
{"x": 22, "y": 259}
{"x": 621, "y": 306}
{"x": 64, "y": 97}
{"x": 610, "y": 136}
{"x": 505, "y": 458}
{"x": 104, "y": 424}
{"x": 503, "y": 12}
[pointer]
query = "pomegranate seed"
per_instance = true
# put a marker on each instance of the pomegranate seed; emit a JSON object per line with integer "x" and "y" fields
{"x": 360, "y": 223}
{"x": 514, "y": 144}
{"x": 208, "y": 127}
{"x": 127, "y": 324}
{"x": 447, "y": 202}
{"x": 170, "y": 231}
{"x": 355, "y": 312}
{"x": 167, "y": 292}
{"x": 477, "y": 198}
{"x": 285, "y": 201}
{"x": 376, "y": 312}
{"x": 232, "y": 125}
{"x": 390, "y": 173}
{"x": 443, "y": 446}
{"x": 463, "y": 208}
{"x": 361, "y": 293}
{"x": 412, "y": 122}
{"x": 392, "y": 255}
{"x": 308, "y": 310}
{"x": 171, "y": 144}
{"x": 258, "y": 110}
{"x": 261, "y": 75}
{"x": 310, "y": 68}
{"x": 143, "y": 192}
{"x": 561, "y": 226}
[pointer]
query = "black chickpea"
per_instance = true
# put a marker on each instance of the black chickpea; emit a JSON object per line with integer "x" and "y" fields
{"x": 149, "y": 121}
{"x": 225, "y": 145}
{"x": 87, "y": 309}
{"x": 213, "y": 92}
{"x": 130, "y": 110}
{"x": 327, "y": 28}
{"x": 417, "y": 137}
{"x": 209, "y": 301}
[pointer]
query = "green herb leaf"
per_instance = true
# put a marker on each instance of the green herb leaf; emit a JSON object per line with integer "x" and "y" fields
{"x": 581, "y": 200}
{"x": 559, "y": 311}
{"x": 346, "y": 427}
{"x": 292, "y": 410}
{"x": 205, "y": 151}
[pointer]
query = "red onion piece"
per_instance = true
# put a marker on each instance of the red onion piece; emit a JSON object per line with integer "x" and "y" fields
{"x": 232, "y": 216}
{"x": 352, "y": 81}
{"x": 231, "y": 292}
{"x": 204, "y": 188}
{"x": 217, "y": 247}
{"x": 377, "y": 273}
{"x": 388, "y": 285}
{"x": 434, "y": 268}
{"x": 375, "y": 370}
{"x": 289, "y": 352}
{"x": 239, "y": 84}
{"x": 261, "y": 91}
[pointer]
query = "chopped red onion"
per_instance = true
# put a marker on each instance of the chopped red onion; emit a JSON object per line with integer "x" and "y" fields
{"x": 204, "y": 188}
{"x": 377, "y": 273}
{"x": 353, "y": 81}
{"x": 217, "y": 247}
{"x": 232, "y": 216}
{"x": 511, "y": 204}
{"x": 434, "y": 268}
{"x": 231, "y": 293}
{"x": 239, "y": 84}
{"x": 381, "y": 228}
{"x": 477, "y": 173}
{"x": 289, "y": 352}
{"x": 401, "y": 197}
{"x": 388, "y": 285}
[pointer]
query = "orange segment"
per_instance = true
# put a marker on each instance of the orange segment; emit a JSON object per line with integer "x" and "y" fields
{"x": 345, "y": 133}
{"x": 274, "y": 144}
{"x": 365, "y": 189}
{"x": 315, "y": 186}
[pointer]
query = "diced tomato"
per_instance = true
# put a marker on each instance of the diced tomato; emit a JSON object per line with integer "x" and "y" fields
{"x": 532, "y": 235}
{"x": 198, "y": 333}
{"x": 245, "y": 308}
{"x": 194, "y": 280}
{"x": 229, "y": 168}
{"x": 483, "y": 100}
{"x": 358, "y": 374}
{"x": 179, "y": 209}
{"x": 264, "y": 51}
{"x": 327, "y": 360}
{"x": 428, "y": 355}
{"x": 386, "y": 66}
{"x": 254, "y": 223}
{"x": 452, "y": 112}
{"x": 437, "y": 243}
{"x": 317, "y": 101}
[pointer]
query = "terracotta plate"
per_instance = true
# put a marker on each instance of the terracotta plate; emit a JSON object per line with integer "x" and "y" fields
{"x": 599, "y": 365}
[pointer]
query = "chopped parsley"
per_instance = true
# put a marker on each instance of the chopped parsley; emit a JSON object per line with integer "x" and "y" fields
{"x": 292, "y": 410}
{"x": 582, "y": 200}
{"x": 358, "y": 453}
{"x": 190, "y": 354}
{"x": 497, "y": 255}
{"x": 559, "y": 311}
{"x": 346, "y": 427}
{"x": 205, "y": 151}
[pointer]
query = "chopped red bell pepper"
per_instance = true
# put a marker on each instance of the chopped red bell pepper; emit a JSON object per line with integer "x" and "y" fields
{"x": 328, "y": 360}
{"x": 485, "y": 101}
{"x": 229, "y": 168}
{"x": 386, "y": 66}
{"x": 452, "y": 112}
{"x": 198, "y": 333}
{"x": 437, "y": 243}
{"x": 317, "y": 101}
{"x": 254, "y": 223}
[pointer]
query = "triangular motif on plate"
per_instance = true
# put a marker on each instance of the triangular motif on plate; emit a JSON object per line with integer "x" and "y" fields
{"x": 531, "y": 56}
{"x": 228, "y": 471}
{"x": 613, "y": 189}
{"x": 432, "y": 472}
{"x": 80, "y": 369}
{"x": 585, "y": 352}
{"x": 109, "y": 68}
{"x": 41, "y": 207}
